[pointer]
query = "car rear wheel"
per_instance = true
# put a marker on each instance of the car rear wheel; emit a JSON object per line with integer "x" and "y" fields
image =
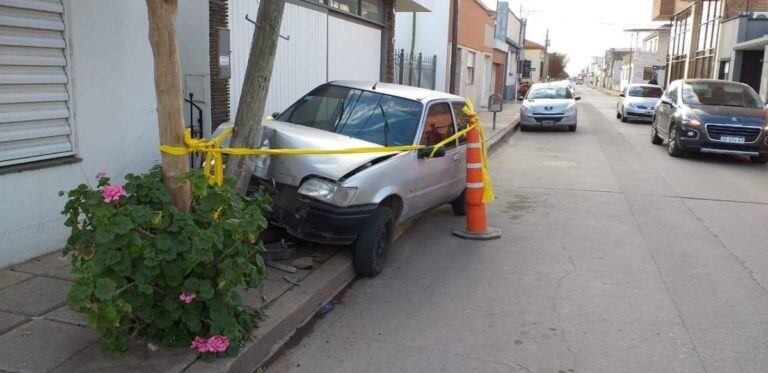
{"x": 373, "y": 243}
{"x": 655, "y": 138}
{"x": 572, "y": 128}
{"x": 673, "y": 148}
{"x": 760, "y": 159}
{"x": 459, "y": 204}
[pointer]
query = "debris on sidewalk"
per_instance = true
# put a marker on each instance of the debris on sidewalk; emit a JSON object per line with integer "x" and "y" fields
{"x": 326, "y": 308}
{"x": 304, "y": 262}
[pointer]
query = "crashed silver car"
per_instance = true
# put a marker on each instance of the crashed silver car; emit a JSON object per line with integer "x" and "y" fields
{"x": 359, "y": 199}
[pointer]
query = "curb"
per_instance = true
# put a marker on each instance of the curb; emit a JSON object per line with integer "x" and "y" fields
{"x": 294, "y": 309}
{"x": 291, "y": 312}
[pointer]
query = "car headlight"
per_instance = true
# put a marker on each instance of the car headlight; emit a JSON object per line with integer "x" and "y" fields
{"x": 328, "y": 191}
{"x": 570, "y": 109}
{"x": 689, "y": 121}
{"x": 527, "y": 110}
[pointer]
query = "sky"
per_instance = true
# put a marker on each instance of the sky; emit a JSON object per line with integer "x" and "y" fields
{"x": 582, "y": 28}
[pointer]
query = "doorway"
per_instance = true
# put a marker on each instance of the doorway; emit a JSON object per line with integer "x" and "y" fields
{"x": 752, "y": 69}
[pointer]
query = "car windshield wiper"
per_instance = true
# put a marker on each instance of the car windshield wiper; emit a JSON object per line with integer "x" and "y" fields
{"x": 386, "y": 124}
{"x": 341, "y": 115}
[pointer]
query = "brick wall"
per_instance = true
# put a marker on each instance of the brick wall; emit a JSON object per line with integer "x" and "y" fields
{"x": 472, "y": 21}
{"x": 217, "y": 17}
{"x": 389, "y": 42}
{"x": 735, "y": 7}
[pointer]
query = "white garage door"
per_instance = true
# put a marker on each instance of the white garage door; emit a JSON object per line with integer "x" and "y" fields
{"x": 34, "y": 109}
{"x": 354, "y": 51}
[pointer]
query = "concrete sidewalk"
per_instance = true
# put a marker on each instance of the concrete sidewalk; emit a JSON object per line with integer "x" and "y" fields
{"x": 38, "y": 332}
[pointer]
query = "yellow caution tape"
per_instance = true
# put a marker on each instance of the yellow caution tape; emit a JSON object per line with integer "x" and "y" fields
{"x": 213, "y": 164}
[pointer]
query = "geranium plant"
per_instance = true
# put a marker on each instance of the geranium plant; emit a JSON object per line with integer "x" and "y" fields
{"x": 144, "y": 269}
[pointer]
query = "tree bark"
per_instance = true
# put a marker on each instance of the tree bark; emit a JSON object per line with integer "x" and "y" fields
{"x": 253, "y": 98}
{"x": 170, "y": 117}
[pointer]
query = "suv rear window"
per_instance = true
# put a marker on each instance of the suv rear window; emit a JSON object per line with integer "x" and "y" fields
{"x": 365, "y": 115}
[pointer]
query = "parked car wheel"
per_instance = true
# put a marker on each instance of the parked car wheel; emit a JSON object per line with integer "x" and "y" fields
{"x": 624, "y": 119}
{"x": 572, "y": 128}
{"x": 655, "y": 138}
{"x": 523, "y": 128}
{"x": 673, "y": 148}
{"x": 618, "y": 115}
{"x": 761, "y": 159}
{"x": 459, "y": 205}
{"x": 373, "y": 243}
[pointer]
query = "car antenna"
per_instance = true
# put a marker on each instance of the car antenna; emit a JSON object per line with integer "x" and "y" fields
{"x": 374, "y": 86}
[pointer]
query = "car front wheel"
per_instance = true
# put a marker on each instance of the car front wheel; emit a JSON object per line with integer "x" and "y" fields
{"x": 655, "y": 138}
{"x": 673, "y": 148}
{"x": 373, "y": 243}
{"x": 760, "y": 159}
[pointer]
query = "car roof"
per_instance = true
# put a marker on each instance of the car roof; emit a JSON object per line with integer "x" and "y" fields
{"x": 398, "y": 90}
{"x": 644, "y": 85}
{"x": 550, "y": 84}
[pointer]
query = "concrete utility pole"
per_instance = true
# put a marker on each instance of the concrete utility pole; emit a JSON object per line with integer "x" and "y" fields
{"x": 454, "y": 45}
{"x": 250, "y": 110}
{"x": 170, "y": 115}
{"x": 546, "y": 57}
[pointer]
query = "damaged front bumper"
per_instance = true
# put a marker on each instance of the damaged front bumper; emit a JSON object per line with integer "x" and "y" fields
{"x": 313, "y": 220}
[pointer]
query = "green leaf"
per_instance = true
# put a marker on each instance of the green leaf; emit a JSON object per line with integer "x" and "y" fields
{"x": 104, "y": 288}
{"x": 145, "y": 288}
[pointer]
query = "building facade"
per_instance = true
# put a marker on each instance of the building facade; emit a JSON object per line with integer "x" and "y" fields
{"x": 474, "y": 75}
{"x": 646, "y": 62}
{"x": 534, "y": 63}
{"x": 77, "y": 97}
{"x": 509, "y": 39}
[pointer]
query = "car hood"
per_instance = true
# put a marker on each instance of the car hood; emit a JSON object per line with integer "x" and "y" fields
{"x": 546, "y": 106}
{"x": 292, "y": 169}
{"x": 729, "y": 114}
{"x": 647, "y": 101}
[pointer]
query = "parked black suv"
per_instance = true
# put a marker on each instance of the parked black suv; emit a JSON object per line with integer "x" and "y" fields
{"x": 711, "y": 116}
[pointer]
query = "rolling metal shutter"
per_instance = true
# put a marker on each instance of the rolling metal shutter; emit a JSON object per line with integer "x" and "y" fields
{"x": 34, "y": 107}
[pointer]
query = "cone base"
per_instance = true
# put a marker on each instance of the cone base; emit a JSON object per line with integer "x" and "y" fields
{"x": 489, "y": 234}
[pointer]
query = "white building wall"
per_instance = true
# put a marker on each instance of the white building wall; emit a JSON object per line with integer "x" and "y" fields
{"x": 729, "y": 37}
{"x": 115, "y": 123}
{"x": 304, "y": 61}
{"x": 192, "y": 34}
{"x": 431, "y": 37}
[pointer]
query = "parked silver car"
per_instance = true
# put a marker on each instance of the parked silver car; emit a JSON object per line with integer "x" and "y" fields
{"x": 549, "y": 104}
{"x": 360, "y": 198}
{"x": 638, "y": 102}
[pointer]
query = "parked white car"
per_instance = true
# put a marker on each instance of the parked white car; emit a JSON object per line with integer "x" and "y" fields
{"x": 359, "y": 199}
{"x": 548, "y": 105}
{"x": 638, "y": 102}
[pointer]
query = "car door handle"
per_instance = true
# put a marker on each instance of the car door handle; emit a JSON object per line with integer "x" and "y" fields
{"x": 457, "y": 157}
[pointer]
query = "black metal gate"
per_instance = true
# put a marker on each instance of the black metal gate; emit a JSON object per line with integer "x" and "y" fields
{"x": 416, "y": 70}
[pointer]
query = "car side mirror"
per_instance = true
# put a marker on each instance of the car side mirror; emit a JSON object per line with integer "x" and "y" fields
{"x": 622, "y": 95}
{"x": 275, "y": 115}
{"x": 667, "y": 102}
{"x": 424, "y": 153}
{"x": 766, "y": 105}
{"x": 577, "y": 98}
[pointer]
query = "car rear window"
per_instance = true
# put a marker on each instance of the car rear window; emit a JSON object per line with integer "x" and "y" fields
{"x": 553, "y": 92}
{"x": 654, "y": 92}
{"x": 720, "y": 94}
{"x": 365, "y": 115}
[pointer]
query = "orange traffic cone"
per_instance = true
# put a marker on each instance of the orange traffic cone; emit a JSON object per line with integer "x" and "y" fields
{"x": 477, "y": 224}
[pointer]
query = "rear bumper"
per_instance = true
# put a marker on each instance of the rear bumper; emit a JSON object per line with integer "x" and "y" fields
{"x": 631, "y": 115}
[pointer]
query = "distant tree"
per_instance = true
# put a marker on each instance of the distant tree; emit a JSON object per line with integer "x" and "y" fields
{"x": 557, "y": 64}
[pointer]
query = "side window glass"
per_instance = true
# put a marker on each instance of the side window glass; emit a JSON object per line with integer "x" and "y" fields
{"x": 462, "y": 119}
{"x": 438, "y": 125}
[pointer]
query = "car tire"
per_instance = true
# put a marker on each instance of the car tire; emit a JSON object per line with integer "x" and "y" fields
{"x": 572, "y": 128}
{"x": 524, "y": 128}
{"x": 760, "y": 159}
{"x": 618, "y": 115}
{"x": 673, "y": 147}
{"x": 655, "y": 138}
{"x": 459, "y": 204}
{"x": 373, "y": 243}
{"x": 624, "y": 119}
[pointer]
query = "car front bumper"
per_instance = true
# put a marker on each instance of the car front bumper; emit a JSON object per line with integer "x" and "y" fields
{"x": 543, "y": 120}
{"x": 313, "y": 220}
{"x": 633, "y": 114}
{"x": 705, "y": 144}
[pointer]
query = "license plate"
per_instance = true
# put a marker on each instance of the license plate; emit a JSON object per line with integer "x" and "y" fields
{"x": 548, "y": 123}
{"x": 732, "y": 139}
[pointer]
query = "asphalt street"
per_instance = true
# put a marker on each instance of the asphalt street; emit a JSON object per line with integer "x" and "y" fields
{"x": 615, "y": 257}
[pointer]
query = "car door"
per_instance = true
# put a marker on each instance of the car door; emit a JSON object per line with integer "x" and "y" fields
{"x": 436, "y": 175}
{"x": 665, "y": 109}
{"x": 459, "y": 157}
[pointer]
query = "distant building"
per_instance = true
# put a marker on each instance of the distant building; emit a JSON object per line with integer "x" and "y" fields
{"x": 647, "y": 62}
{"x": 534, "y": 62}
{"x": 612, "y": 70}
{"x": 509, "y": 41}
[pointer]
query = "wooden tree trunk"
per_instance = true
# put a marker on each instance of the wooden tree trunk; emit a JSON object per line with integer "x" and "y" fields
{"x": 253, "y": 98}
{"x": 170, "y": 119}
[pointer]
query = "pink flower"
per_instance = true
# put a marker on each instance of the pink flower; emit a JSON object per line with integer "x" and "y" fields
{"x": 217, "y": 343}
{"x": 187, "y": 298}
{"x": 112, "y": 193}
{"x": 101, "y": 175}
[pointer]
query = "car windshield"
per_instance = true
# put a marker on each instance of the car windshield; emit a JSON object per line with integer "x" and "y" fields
{"x": 538, "y": 93}
{"x": 654, "y": 92}
{"x": 370, "y": 116}
{"x": 720, "y": 94}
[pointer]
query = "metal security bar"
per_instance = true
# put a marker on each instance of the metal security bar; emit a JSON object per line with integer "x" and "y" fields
{"x": 416, "y": 70}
